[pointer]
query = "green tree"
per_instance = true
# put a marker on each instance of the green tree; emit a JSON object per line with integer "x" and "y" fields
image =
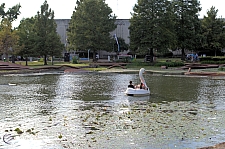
{"x": 45, "y": 29}
{"x": 55, "y": 49}
{"x": 8, "y": 38}
{"x": 187, "y": 24}
{"x": 213, "y": 31}
{"x": 90, "y": 26}
{"x": 11, "y": 14}
{"x": 27, "y": 38}
{"x": 123, "y": 46}
{"x": 152, "y": 26}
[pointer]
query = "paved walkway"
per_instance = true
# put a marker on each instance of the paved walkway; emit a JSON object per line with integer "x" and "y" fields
{"x": 11, "y": 66}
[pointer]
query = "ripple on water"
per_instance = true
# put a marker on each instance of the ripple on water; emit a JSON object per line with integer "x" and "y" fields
{"x": 58, "y": 111}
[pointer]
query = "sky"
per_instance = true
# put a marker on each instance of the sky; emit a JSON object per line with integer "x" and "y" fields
{"x": 121, "y": 8}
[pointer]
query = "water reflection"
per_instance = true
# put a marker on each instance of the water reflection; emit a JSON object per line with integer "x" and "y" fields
{"x": 72, "y": 104}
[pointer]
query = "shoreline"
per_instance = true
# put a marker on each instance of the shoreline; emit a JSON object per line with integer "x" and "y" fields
{"x": 70, "y": 69}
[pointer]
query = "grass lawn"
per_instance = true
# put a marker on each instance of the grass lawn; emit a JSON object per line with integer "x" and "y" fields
{"x": 134, "y": 64}
{"x": 37, "y": 64}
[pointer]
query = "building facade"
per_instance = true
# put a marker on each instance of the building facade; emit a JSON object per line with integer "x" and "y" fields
{"x": 122, "y": 31}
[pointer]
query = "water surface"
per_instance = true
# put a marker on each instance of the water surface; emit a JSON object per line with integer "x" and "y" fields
{"x": 90, "y": 110}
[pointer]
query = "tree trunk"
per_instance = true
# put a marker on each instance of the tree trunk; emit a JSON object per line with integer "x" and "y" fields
{"x": 182, "y": 54}
{"x": 13, "y": 59}
{"x": 94, "y": 56}
{"x": 151, "y": 55}
{"x": 45, "y": 60}
{"x": 6, "y": 57}
{"x": 26, "y": 61}
{"x": 52, "y": 60}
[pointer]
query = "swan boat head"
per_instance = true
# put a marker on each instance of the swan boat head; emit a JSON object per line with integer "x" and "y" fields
{"x": 142, "y": 70}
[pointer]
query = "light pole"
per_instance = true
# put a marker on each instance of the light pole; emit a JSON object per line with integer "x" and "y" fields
{"x": 88, "y": 54}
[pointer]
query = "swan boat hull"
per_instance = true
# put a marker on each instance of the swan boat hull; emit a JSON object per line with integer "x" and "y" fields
{"x": 137, "y": 92}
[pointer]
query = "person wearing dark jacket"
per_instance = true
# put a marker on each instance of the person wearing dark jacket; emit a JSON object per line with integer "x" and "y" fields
{"x": 130, "y": 85}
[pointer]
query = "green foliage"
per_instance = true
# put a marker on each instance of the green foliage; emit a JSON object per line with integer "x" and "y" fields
{"x": 90, "y": 26}
{"x": 41, "y": 60}
{"x": 47, "y": 40}
{"x": 152, "y": 26}
{"x": 212, "y": 60}
{"x": 122, "y": 45}
{"x": 18, "y": 131}
{"x": 187, "y": 24}
{"x": 8, "y": 38}
{"x": 124, "y": 60}
{"x": 27, "y": 38}
{"x": 169, "y": 64}
{"x": 135, "y": 63}
{"x": 75, "y": 60}
{"x": 11, "y": 14}
{"x": 221, "y": 69}
{"x": 60, "y": 136}
{"x": 213, "y": 31}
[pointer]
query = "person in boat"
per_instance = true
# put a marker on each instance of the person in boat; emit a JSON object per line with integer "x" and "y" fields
{"x": 142, "y": 86}
{"x": 130, "y": 85}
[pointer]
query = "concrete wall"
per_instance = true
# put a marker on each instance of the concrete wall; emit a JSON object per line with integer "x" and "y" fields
{"x": 62, "y": 26}
{"x": 121, "y": 30}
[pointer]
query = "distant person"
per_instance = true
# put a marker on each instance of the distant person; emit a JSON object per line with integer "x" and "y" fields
{"x": 97, "y": 56}
{"x": 130, "y": 85}
{"x": 196, "y": 57}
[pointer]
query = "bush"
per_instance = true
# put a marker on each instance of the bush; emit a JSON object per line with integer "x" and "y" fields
{"x": 169, "y": 64}
{"x": 41, "y": 60}
{"x": 218, "y": 58}
{"x": 75, "y": 60}
{"x": 135, "y": 63}
{"x": 212, "y": 62}
{"x": 221, "y": 69}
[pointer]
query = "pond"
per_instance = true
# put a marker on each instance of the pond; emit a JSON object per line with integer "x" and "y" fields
{"x": 90, "y": 110}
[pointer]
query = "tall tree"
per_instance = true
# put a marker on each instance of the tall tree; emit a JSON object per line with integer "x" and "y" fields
{"x": 45, "y": 28}
{"x": 213, "y": 31}
{"x": 27, "y": 38}
{"x": 90, "y": 26}
{"x": 8, "y": 38}
{"x": 187, "y": 24}
{"x": 152, "y": 26}
{"x": 53, "y": 43}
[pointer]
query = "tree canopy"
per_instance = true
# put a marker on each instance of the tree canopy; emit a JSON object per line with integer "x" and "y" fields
{"x": 152, "y": 26}
{"x": 187, "y": 25}
{"x": 90, "y": 26}
{"x": 27, "y": 38}
{"x": 11, "y": 14}
{"x": 47, "y": 40}
{"x": 8, "y": 38}
{"x": 213, "y": 31}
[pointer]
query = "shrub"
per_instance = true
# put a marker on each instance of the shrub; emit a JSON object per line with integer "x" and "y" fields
{"x": 75, "y": 60}
{"x": 169, "y": 64}
{"x": 212, "y": 62}
{"x": 218, "y": 58}
{"x": 41, "y": 60}
{"x": 221, "y": 69}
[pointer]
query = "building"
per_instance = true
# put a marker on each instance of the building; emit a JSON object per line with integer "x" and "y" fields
{"x": 122, "y": 31}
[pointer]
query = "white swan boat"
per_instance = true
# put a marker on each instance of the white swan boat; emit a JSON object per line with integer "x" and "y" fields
{"x": 138, "y": 91}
